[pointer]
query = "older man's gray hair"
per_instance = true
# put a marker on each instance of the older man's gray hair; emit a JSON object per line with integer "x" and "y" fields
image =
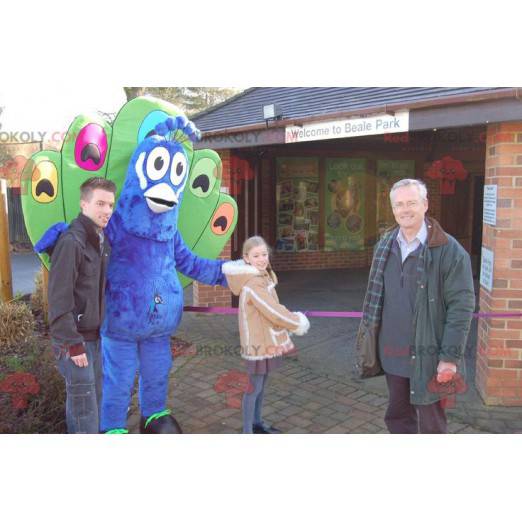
{"x": 421, "y": 187}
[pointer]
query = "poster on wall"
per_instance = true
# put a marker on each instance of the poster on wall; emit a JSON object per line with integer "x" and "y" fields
{"x": 344, "y": 204}
{"x": 486, "y": 268}
{"x": 388, "y": 173}
{"x": 297, "y": 200}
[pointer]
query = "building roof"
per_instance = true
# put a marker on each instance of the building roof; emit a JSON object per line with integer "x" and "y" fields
{"x": 246, "y": 109}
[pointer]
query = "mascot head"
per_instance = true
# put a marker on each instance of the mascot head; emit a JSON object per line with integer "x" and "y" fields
{"x": 156, "y": 177}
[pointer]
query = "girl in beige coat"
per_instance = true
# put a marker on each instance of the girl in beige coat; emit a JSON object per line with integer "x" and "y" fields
{"x": 263, "y": 325}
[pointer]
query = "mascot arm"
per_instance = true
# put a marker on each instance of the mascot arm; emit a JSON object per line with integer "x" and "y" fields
{"x": 50, "y": 237}
{"x": 206, "y": 271}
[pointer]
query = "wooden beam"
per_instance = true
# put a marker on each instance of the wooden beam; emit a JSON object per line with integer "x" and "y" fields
{"x": 6, "y": 285}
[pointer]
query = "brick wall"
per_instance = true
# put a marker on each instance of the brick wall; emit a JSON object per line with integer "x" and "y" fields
{"x": 204, "y": 295}
{"x": 499, "y": 358}
{"x": 320, "y": 260}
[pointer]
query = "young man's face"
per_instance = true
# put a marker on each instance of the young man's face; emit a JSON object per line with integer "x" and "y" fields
{"x": 408, "y": 207}
{"x": 98, "y": 207}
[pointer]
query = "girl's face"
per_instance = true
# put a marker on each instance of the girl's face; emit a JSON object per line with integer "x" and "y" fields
{"x": 257, "y": 257}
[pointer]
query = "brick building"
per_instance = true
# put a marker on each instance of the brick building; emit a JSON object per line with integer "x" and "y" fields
{"x": 311, "y": 170}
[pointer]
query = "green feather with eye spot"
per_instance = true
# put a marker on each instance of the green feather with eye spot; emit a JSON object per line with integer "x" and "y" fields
{"x": 42, "y": 196}
{"x": 73, "y": 175}
{"x": 207, "y": 217}
{"x": 197, "y": 226}
{"x": 200, "y": 196}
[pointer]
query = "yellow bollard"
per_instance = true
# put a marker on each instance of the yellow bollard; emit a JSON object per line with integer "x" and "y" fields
{"x": 6, "y": 285}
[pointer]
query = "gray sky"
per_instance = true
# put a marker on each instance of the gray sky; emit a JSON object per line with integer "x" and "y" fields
{"x": 52, "y": 108}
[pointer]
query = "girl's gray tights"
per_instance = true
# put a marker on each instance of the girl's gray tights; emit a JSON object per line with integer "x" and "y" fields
{"x": 253, "y": 402}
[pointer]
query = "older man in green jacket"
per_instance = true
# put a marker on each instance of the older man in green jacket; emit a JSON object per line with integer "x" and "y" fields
{"x": 417, "y": 313}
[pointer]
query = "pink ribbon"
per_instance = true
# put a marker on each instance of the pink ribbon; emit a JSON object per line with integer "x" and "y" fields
{"x": 222, "y": 310}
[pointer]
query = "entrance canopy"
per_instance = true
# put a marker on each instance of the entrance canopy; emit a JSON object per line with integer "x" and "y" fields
{"x": 239, "y": 122}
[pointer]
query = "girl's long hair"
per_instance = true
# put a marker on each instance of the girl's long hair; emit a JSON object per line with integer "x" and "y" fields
{"x": 256, "y": 241}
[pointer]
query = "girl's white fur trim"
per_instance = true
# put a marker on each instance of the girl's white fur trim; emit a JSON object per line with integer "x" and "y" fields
{"x": 304, "y": 324}
{"x": 238, "y": 267}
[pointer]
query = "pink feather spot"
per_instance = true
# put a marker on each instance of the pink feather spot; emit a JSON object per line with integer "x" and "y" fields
{"x": 90, "y": 149}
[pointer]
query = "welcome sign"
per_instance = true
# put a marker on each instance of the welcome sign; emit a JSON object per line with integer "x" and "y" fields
{"x": 329, "y": 130}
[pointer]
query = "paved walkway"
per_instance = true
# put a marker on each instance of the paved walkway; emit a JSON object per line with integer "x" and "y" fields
{"x": 25, "y": 266}
{"x": 314, "y": 392}
{"x": 208, "y": 381}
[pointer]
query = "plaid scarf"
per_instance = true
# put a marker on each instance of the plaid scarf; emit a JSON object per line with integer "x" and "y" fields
{"x": 373, "y": 300}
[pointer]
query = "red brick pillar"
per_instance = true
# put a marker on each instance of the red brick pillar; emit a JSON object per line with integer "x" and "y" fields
{"x": 204, "y": 295}
{"x": 499, "y": 357}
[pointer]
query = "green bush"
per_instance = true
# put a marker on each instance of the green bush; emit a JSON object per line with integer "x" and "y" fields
{"x": 17, "y": 324}
{"x": 35, "y": 400}
{"x": 32, "y": 391}
{"x": 37, "y": 297}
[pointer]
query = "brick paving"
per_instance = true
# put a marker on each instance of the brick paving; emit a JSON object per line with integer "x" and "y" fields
{"x": 299, "y": 399}
{"x": 314, "y": 392}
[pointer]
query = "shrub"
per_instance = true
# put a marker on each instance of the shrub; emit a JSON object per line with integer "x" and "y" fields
{"x": 16, "y": 324}
{"x": 37, "y": 297}
{"x": 32, "y": 391}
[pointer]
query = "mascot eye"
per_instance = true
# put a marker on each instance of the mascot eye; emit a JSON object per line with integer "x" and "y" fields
{"x": 158, "y": 163}
{"x": 178, "y": 169}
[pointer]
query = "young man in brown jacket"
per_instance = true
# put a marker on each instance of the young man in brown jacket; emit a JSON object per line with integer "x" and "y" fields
{"x": 76, "y": 301}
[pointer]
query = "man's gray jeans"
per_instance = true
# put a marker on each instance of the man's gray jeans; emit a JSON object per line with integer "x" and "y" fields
{"x": 83, "y": 387}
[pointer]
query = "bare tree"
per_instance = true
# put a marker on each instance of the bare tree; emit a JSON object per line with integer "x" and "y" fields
{"x": 133, "y": 92}
{"x": 189, "y": 99}
{"x": 4, "y": 155}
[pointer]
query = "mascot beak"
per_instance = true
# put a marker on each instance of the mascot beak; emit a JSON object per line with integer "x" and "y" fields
{"x": 161, "y": 198}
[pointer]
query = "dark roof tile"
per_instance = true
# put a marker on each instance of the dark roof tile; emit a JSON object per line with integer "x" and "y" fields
{"x": 300, "y": 102}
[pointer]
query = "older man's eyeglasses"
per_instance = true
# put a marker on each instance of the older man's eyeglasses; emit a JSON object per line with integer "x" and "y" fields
{"x": 408, "y": 204}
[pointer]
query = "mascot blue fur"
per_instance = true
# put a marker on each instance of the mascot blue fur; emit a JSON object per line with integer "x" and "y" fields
{"x": 143, "y": 294}
{"x": 144, "y": 297}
